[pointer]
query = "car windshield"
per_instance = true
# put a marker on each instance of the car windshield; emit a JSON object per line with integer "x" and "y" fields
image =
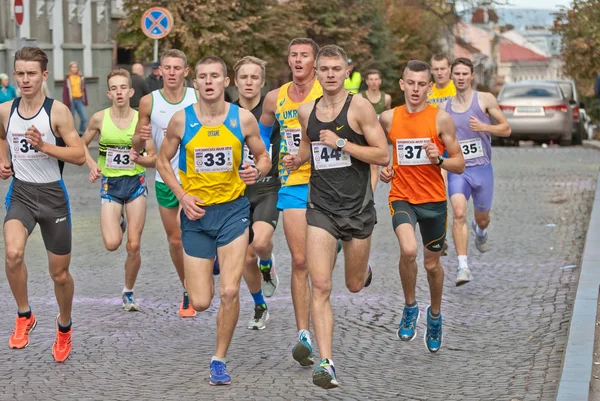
{"x": 529, "y": 91}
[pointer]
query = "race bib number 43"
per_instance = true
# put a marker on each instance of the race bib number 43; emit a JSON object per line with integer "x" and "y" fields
{"x": 249, "y": 157}
{"x": 21, "y": 149}
{"x": 213, "y": 160}
{"x": 119, "y": 159}
{"x": 292, "y": 139}
{"x": 326, "y": 157}
{"x": 410, "y": 152}
{"x": 471, "y": 148}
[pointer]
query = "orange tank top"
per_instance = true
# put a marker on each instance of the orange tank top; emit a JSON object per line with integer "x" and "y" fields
{"x": 415, "y": 179}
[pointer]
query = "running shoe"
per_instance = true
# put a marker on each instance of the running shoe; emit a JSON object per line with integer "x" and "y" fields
{"x": 408, "y": 325}
{"x": 20, "y": 336}
{"x": 463, "y": 276}
{"x": 123, "y": 222}
{"x": 339, "y": 246}
{"x": 433, "y": 335}
{"x": 216, "y": 267}
{"x": 261, "y": 315}
{"x": 129, "y": 303}
{"x": 302, "y": 352}
{"x": 324, "y": 375}
{"x": 481, "y": 241}
{"x": 270, "y": 280}
{"x": 61, "y": 349}
{"x": 218, "y": 374}
{"x": 186, "y": 310}
{"x": 369, "y": 275}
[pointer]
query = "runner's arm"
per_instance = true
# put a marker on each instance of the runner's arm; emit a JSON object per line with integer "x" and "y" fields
{"x": 388, "y": 101}
{"x": 148, "y": 160}
{"x": 493, "y": 109}
{"x": 251, "y": 132}
{"x": 64, "y": 126}
{"x": 374, "y": 176}
{"x": 267, "y": 119}
{"x": 143, "y": 120}
{"x": 5, "y": 160}
{"x": 90, "y": 133}
{"x": 304, "y": 148}
{"x": 455, "y": 163}
{"x": 171, "y": 142}
{"x": 376, "y": 151}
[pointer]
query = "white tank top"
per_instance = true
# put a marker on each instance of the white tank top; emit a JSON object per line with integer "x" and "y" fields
{"x": 160, "y": 115}
{"x": 29, "y": 165}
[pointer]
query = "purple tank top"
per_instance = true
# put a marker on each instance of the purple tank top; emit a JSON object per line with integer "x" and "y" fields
{"x": 476, "y": 146}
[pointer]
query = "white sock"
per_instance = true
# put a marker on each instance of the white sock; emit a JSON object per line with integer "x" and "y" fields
{"x": 216, "y": 358}
{"x": 462, "y": 262}
{"x": 125, "y": 289}
{"x": 479, "y": 231}
{"x": 306, "y": 333}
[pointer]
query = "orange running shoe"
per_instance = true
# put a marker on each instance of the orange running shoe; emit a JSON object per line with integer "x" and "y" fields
{"x": 20, "y": 336}
{"x": 61, "y": 349}
{"x": 186, "y": 310}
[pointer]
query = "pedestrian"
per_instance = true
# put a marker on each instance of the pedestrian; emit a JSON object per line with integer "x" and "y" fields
{"x": 139, "y": 84}
{"x": 354, "y": 79}
{"x": 75, "y": 94}
{"x": 7, "y": 91}
{"x": 155, "y": 79}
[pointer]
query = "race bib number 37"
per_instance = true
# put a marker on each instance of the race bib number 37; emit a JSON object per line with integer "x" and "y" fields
{"x": 119, "y": 159}
{"x": 21, "y": 149}
{"x": 292, "y": 139}
{"x": 471, "y": 148}
{"x": 410, "y": 152}
{"x": 326, "y": 157}
{"x": 213, "y": 160}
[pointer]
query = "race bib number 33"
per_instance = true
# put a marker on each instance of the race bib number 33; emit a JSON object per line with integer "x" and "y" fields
{"x": 21, "y": 149}
{"x": 410, "y": 152}
{"x": 213, "y": 160}
{"x": 326, "y": 157}
{"x": 119, "y": 159}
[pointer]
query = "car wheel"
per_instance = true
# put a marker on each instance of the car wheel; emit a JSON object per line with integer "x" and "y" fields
{"x": 578, "y": 136}
{"x": 497, "y": 142}
{"x": 566, "y": 142}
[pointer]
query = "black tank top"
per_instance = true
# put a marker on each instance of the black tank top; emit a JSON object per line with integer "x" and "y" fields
{"x": 342, "y": 191}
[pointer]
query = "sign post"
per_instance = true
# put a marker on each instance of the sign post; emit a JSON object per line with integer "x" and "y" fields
{"x": 156, "y": 23}
{"x": 19, "y": 14}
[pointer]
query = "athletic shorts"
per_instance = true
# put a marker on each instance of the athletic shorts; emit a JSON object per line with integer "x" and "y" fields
{"x": 123, "y": 190}
{"x": 263, "y": 204}
{"x": 293, "y": 197}
{"x": 432, "y": 218}
{"x": 220, "y": 225}
{"x": 477, "y": 181}
{"x": 43, "y": 204}
{"x": 165, "y": 197}
{"x": 343, "y": 228}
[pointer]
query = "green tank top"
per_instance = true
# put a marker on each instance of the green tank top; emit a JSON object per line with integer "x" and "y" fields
{"x": 380, "y": 105}
{"x": 114, "y": 148}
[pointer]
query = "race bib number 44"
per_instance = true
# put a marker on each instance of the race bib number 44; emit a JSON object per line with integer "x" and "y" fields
{"x": 213, "y": 160}
{"x": 471, "y": 148}
{"x": 292, "y": 139}
{"x": 21, "y": 149}
{"x": 119, "y": 159}
{"x": 249, "y": 157}
{"x": 326, "y": 157}
{"x": 410, "y": 152}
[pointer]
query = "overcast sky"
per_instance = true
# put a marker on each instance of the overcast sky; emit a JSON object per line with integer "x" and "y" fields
{"x": 547, "y": 4}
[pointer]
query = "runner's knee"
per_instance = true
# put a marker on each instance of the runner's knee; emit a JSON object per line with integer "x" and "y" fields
{"x": 230, "y": 294}
{"x": 408, "y": 254}
{"x": 112, "y": 244}
{"x": 133, "y": 247}
{"x": 14, "y": 258}
{"x": 354, "y": 284}
{"x": 321, "y": 286}
{"x": 199, "y": 303}
{"x": 60, "y": 276}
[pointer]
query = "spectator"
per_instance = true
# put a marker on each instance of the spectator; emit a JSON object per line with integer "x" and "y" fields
{"x": 381, "y": 101}
{"x": 7, "y": 91}
{"x": 75, "y": 94}
{"x": 139, "y": 85}
{"x": 352, "y": 83}
{"x": 155, "y": 80}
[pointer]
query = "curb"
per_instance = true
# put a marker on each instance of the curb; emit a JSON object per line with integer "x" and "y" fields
{"x": 591, "y": 144}
{"x": 576, "y": 372}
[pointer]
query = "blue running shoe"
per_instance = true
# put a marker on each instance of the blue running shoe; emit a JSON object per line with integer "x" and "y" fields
{"x": 216, "y": 267}
{"x": 339, "y": 246}
{"x": 408, "y": 325}
{"x": 369, "y": 275}
{"x": 324, "y": 375}
{"x": 433, "y": 335}
{"x": 302, "y": 352}
{"x": 218, "y": 374}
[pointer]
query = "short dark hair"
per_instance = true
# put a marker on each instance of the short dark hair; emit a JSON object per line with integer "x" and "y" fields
{"x": 440, "y": 57}
{"x": 332, "y": 51}
{"x": 32, "y": 54}
{"x": 462, "y": 61}
{"x": 211, "y": 60}
{"x": 119, "y": 72}
{"x": 305, "y": 41}
{"x": 372, "y": 72}
{"x": 417, "y": 66}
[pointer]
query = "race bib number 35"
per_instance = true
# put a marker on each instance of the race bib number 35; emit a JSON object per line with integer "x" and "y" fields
{"x": 119, "y": 159}
{"x": 21, "y": 149}
{"x": 292, "y": 139}
{"x": 410, "y": 152}
{"x": 249, "y": 157}
{"x": 326, "y": 157}
{"x": 213, "y": 160}
{"x": 471, "y": 148}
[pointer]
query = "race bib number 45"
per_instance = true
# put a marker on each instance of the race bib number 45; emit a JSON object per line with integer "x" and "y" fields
{"x": 471, "y": 148}
{"x": 249, "y": 157}
{"x": 292, "y": 139}
{"x": 21, "y": 149}
{"x": 119, "y": 159}
{"x": 326, "y": 157}
{"x": 410, "y": 152}
{"x": 213, "y": 160}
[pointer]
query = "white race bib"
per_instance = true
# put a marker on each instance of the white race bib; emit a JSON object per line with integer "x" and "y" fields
{"x": 119, "y": 159}
{"x": 326, "y": 157}
{"x": 293, "y": 136}
{"x": 249, "y": 157}
{"x": 410, "y": 152}
{"x": 21, "y": 149}
{"x": 471, "y": 148}
{"x": 213, "y": 160}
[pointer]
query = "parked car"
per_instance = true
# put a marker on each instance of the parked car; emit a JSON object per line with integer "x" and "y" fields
{"x": 537, "y": 111}
{"x": 570, "y": 91}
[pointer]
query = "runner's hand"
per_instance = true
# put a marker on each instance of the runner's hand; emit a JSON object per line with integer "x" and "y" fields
{"x": 5, "y": 171}
{"x": 386, "y": 174}
{"x": 476, "y": 125}
{"x": 328, "y": 137}
{"x": 291, "y": 162}
{"x": 146, "y": 132}
{"x": 190, "y": 205}
{"x": 95, "y": 172}
{"x": 248, "y": 174}
{"x": 432, "y": 152}
{"x": 34, "y": 137}
{"x": 133, "y": 155}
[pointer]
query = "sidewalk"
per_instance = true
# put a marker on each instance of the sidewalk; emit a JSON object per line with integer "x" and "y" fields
{"x": 578, "y": 360}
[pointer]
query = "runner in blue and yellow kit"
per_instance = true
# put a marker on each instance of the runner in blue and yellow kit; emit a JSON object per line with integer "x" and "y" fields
{"x": 210, "y": 136}
{"x": 282, "y": 105}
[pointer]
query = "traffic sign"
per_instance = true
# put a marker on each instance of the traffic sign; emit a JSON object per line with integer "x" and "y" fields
{"x": 156, "y": 22}
{"x": 19, "y": 12}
